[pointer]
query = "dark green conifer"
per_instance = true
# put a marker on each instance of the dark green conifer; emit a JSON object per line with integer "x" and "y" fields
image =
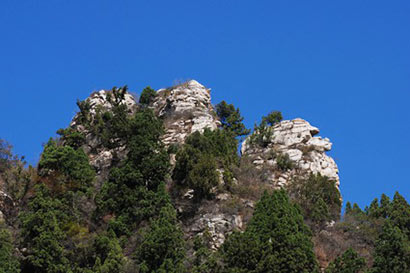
{"x": 231, "y": 119}
{"x": 392, "y": 252}
{"x": 275, "y": 240}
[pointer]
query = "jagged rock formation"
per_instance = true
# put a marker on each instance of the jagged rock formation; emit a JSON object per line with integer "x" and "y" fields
{"x": 185, "y": 108}
{"x": 297, "y": 139}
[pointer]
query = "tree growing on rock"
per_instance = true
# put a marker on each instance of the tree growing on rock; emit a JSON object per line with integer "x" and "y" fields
{"x": 199, "y": 158}
{"x": 272, "y": 118}
{"x": 147, "y": 96}
{"x": 263, "y": 132}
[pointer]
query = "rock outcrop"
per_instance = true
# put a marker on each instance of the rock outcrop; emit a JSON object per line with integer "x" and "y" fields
{"x": 185, "y": 108}
{"x": 297, "y": 139}
{"x": 101, "y": 157}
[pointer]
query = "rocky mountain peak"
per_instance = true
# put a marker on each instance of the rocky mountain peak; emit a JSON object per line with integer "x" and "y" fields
{"x": 185, "y": 108}
{"x": 297, "y": 139}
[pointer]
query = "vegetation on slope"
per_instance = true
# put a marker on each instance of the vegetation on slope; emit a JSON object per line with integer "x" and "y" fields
{"x": 68, "y": 222}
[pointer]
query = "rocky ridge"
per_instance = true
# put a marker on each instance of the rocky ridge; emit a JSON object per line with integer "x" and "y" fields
{"x": 296, "y": 138}
{"x": 187, "y": 108}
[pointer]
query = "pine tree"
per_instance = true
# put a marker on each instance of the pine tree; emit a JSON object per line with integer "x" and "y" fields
{"x": 276, "y": 240}
{"x": 231, "y": 119}
{"x": 385, "y": 205}
{"x": 8, "y": 262}
{"x": 131, "y": 190}
{"x": 400, "y": 213}
{"x": 392, "y": 251}
{"x": 162, "y": 249}
{"x": 108, "y": 253}
{"x": 272, "y": 118}
{"x": 147, "y": 95}
{"x": 42, "y": 234}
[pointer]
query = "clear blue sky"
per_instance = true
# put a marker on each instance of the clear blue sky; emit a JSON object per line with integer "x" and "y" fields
{"x": 342, "y": 65}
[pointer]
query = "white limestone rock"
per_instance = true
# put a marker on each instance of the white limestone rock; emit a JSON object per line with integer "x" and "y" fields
{"x": 297, "y": 139}
{"x": 185, "y": 108}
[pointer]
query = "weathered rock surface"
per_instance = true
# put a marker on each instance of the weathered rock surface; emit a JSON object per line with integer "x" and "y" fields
{"x": 211, "y": 217}
{"x": 185, "y": 108}
{"x": 101, "y": 157}
{"x": 297, "y": 139}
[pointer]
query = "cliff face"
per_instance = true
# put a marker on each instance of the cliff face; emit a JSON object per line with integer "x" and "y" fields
{"x": 297, "y": 139}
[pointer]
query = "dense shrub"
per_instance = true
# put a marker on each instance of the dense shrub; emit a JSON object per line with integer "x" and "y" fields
{"x": 68, "y": 162}
{"x": 319, "y": 199}
{"x": 348, "y": 262}
{"x": 283, "y": 162}
{"x": 8, "y": 260}
{"x": 199, "y": 158}
{"x": 71, "y": 137}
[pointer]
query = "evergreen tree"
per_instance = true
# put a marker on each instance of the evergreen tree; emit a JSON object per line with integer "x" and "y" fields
{"x": 162, "y": 249}
{"x": 8, "y": 262}
{"x": 385, "y": 205}
{"x": 348, "y": 262}
{"x": 131, "y": 192}
{"x": 108, "y": 254}
{"x": 319, "y": 199}
{"x": 147, "y": 95}
{"x": 199, "y": 158}
{"x": 231, "y": 119}
{"x": 348, "y": 209}
{"x": 68, "y": 163}
{"x": 42, "y": 234}
{"x": 400, "y": 213}
{"x": 374, "y": 210}
{"x": 275, "y": 240}
{"x": 272, "y": 118}
{"x": 392, "y": 251}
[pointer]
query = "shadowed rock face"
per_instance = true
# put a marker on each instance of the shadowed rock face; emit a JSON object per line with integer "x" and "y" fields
{"x": 185, "y": 108}
{"x": 297, "y": 139}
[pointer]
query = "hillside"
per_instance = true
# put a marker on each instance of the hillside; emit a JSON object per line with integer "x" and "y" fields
{"x": 156, "y": 184}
